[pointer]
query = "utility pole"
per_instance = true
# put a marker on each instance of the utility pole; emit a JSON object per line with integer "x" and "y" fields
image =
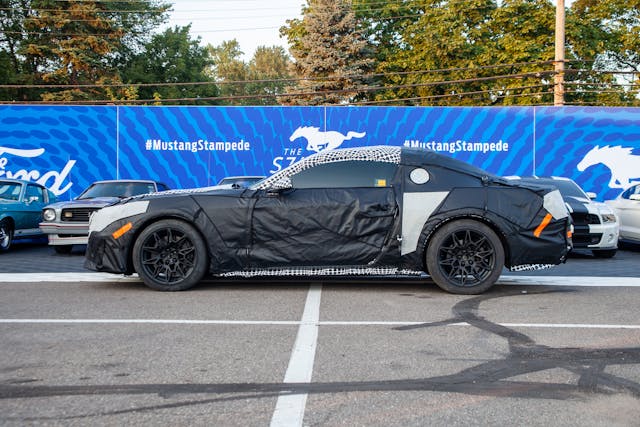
{"x": 558, "y": 78}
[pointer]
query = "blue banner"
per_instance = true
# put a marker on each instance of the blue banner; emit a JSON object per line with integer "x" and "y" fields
{"x": 67, "y": 148}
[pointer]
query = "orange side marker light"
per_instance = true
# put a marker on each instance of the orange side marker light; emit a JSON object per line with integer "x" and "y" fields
{"x": 545, "y": 221}
{"x": 120, "y": 231}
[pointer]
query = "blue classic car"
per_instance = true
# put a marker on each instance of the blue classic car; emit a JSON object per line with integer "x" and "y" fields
{"x": 21, "y": 204}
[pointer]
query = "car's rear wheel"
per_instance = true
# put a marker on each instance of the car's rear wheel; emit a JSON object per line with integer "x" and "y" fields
{"x": 607, "y": 253}
{"x": 170, "y": 255}
{"x": 6, "y": 235}
{"x": 465, "y": 257}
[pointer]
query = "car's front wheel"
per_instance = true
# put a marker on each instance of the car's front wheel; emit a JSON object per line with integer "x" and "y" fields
{"x": 6, "y": 235}
{"x": 465, "y": 257}
{"x": 170, "y": 255}
{"x": 63, "y": 249}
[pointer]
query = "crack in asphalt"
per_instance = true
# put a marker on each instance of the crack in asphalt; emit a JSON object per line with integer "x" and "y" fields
{"x": 490, "y": 379}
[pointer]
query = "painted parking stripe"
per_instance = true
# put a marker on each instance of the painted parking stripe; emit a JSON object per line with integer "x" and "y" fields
{"x": 66, "y": 277}
{"x": 289, "y": 410}
{"x": 299, "y": 323}
{"x": 576, "y": 281}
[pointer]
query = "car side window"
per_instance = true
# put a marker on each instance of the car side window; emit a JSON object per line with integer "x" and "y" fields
{"x": 629, "y": 191}
{"x": 346, "y": 174}
{"x": 34, "y": 192}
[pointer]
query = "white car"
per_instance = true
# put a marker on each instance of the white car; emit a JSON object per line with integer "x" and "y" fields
{"x": 627, "y": 207}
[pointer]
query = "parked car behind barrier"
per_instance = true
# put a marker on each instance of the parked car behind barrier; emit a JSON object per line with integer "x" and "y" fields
{"x": 627, "y": 207}
{"x": 21, "y": 205}
{"x": 67, "y": 223}
{"x": 241, "y": 180}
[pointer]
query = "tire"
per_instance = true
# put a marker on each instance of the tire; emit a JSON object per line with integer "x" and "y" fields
{"x": 170, "y": 255}
{"x": 607, "y": 253}
{"x": 465, "y": 257}
{"x": 6, "y": 235}
{"x": 63, "y": 249}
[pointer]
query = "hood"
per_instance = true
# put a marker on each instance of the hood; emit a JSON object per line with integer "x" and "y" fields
{"x": 578, "y": 204}
{"x": 97, "y": 202}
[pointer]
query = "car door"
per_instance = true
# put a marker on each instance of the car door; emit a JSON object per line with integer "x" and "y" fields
{"x": 34, "y": 201}
{"x": 336, "y": 214}
{"x": 628, "y": 209}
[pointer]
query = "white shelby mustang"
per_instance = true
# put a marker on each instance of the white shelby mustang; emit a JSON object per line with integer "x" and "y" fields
{"x": 380, "y": 210}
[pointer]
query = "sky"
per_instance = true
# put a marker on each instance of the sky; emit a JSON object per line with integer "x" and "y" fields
{"x": 252, "y": 23}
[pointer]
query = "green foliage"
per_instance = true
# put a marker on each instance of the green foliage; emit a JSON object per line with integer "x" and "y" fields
{"x": 267, "y": 72}
{"x": 481, "y": 52}
{"x": 331, "y": 55}
{"x": 71, "y": 43}
{"x": 258, "y": 82}
{"x": 171, "y": 57}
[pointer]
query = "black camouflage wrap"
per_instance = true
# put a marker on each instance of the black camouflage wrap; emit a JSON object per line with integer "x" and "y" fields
{"x": 273, "y": 227}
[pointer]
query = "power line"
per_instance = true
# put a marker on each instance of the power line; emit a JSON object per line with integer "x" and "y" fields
{"x": 285, "y": 80}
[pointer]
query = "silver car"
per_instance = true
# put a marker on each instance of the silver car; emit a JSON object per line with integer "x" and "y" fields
{"x": 627, "y": 207}
{"x": 67, "y": 223}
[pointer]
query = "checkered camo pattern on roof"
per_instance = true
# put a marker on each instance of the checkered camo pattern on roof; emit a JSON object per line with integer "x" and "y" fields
{"x": 377, "y": 153}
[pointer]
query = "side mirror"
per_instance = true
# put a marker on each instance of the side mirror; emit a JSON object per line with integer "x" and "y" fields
{"x": 32, "y": 199}
{"x": 282, "y": 184}
{"x": 635, "y": 197}
{"x": 591, "y": 195}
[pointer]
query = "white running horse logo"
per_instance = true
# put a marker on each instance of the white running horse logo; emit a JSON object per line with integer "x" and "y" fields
{"x": 624, "y": 166}
{"x": 320, "y": 141}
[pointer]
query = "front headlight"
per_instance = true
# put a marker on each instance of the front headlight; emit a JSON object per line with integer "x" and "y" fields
{"x": 606, "y": 213}
{"x": 49, "y": 214}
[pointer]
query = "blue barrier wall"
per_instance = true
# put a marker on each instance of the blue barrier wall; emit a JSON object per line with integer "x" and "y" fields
{"x": 67, "y": 148}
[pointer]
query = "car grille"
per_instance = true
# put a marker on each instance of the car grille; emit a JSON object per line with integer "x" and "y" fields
{"x": 584, "y": 218}
{"x": 77, "y": 214}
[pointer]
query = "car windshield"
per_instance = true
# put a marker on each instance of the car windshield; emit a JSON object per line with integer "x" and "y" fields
{"x": 569, "y": 189}
{"x": 244, "y": 181}
{"x": 117, "y": 189}
{"x": 10, "y": 190}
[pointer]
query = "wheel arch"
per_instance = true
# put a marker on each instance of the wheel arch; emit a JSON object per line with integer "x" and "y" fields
{"x": 433, "y": 225}
{"x": 152, "y": 220}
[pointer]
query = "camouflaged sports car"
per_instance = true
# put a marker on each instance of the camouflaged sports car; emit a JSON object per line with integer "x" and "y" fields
{"x": 378, "y": 210}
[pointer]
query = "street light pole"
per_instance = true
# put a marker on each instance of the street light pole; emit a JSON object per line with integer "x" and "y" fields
{"x": 558, "y": 78}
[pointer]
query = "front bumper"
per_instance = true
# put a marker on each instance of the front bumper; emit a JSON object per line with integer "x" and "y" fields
{"x": 596, "y": 236}
{"x": 107, "y": 254}
{"x": 65, "y": 234}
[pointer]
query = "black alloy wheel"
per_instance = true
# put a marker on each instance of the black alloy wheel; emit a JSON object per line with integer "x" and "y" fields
{"x": 170, "y": 255}
{"x": 465, "y": 257}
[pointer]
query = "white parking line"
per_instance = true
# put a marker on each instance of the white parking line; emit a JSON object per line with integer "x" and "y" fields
{"x": 66, "y": 277}
{"x": 577, "y": 281}
{"x": 289, "y": 409}
{"x": 305, "y": 323}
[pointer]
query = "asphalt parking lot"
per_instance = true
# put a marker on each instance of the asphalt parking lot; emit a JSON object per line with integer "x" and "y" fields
{"x": 557, "y": 347}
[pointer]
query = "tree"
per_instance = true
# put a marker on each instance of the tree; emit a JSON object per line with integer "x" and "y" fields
{"x": 603, "y": 38}
{"x": 268, "y": 74}
{"x": 488, "y": 52}
{"x": 72, "y": 43}
{"x": 331, "y": 56}
{"x": 170, "y": 59}
{"x": 229, "y": 71}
